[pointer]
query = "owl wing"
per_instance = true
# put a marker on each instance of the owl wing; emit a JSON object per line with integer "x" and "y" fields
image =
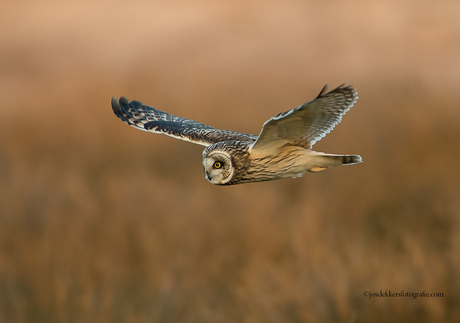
{"x": 147, "y": 118}
{"x": 305, "y": 125}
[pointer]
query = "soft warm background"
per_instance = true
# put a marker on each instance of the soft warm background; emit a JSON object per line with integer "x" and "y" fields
{"x": 103, "y": 223}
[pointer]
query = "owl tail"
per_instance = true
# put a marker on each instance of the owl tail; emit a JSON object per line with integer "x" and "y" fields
{"x": 323, "y": 161}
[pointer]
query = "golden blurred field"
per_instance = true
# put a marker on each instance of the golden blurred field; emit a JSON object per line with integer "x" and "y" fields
{"x": 103, "y": 223}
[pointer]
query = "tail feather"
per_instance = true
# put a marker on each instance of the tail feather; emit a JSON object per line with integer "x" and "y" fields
{"x": 323, "y": 161}
{"x": 351, "y": 159}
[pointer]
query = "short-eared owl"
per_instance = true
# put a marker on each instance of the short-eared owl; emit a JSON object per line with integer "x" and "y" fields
{"x": 281, "y": 150}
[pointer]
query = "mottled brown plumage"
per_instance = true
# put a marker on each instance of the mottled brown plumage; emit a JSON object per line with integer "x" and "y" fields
{"x": 282, "y": 149}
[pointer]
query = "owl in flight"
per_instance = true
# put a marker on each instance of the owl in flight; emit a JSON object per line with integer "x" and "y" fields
{"x": 283, "y": 148}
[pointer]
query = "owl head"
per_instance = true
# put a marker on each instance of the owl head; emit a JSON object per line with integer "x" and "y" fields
{"x": 225, "y": 162}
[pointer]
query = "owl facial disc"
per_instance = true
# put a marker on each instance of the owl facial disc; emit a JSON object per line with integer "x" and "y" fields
{"x": 218, "y": 167}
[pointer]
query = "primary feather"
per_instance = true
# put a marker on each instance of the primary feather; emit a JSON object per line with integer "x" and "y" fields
{"x": 305, "y": 125}
{"x": 147, "y": 118}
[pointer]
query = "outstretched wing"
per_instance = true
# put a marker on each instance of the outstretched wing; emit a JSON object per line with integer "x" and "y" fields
{"x": 150, "y": 119}
{"x": 305, "y": 125}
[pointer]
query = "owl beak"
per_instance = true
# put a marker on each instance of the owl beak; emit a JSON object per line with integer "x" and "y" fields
{"x": 207, "y": 175}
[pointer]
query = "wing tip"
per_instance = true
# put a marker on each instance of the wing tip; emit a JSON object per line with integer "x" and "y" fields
{"x": 323, "y": 90}
{"x": 117, "y": 104}
{"x": 340, "y": 87}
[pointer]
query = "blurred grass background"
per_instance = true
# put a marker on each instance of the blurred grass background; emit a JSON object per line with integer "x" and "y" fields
{"x": 103, "y": 223}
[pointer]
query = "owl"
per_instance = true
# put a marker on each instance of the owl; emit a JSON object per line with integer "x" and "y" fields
{"x": 283, "y": 149}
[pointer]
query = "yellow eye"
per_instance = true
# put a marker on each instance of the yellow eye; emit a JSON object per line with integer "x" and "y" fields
{"x": 217, "y": 164}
